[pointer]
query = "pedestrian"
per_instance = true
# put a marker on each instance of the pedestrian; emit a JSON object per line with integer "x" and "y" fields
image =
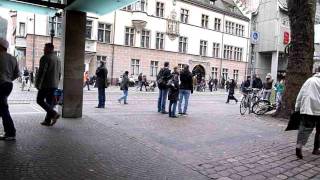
{"x": 267, "y": 87}
{"x": 162, "y": 79}
{"x": 124, "y": 86}
{"x": 102, "y": 84}
{"x": 173, "y": 96}
{"x": 86, "y": 80}
{"x": 227, "y": 85}
{"x": 140, "y": 81}
{"x": 143, "y": 82}
{"x": 47, "y": 83}
{"x": 9, "y": 71}
{"x": 232, "y": 86}
{"x": 223, "y": 81}
{"x": 308, "y": 104}
{"x": 215, "y": 84}
{"x": 186, "y": 88}
{"x": 210, "y": 84}
{"x": 257, "y": 83}
{"x": 279, "y": 86}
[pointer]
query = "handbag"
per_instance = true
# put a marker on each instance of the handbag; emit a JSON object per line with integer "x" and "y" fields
{"x": 294, "y": 121}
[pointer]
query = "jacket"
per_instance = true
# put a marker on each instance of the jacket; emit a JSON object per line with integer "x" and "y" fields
{"x": 173, "y": 84}
{"x": 102, "y": 77}
{"x": 257, "y": 83}
{"x": 124, "y": 83}
{"x": 186, "y": 80}
{"x": 232, "y": 86}
{"x": 9, "y": 69}
{"x": 268, "y": 84}
{"x": 308, "y": 100}
{"x": 49, "y": 72}
{"x": 164, "y": 75}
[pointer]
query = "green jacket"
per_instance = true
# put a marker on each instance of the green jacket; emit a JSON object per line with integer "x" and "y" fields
{"x": 49, "y": 72}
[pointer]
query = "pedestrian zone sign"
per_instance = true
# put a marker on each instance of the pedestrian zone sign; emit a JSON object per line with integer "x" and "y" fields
{"x": 255, "y": 36}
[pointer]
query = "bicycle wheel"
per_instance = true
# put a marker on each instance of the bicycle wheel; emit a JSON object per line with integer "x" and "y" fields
{"x": 261, "y": 107}
{"x": 243, "y": 106}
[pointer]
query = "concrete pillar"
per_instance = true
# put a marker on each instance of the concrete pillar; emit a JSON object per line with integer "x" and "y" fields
{"x": 73, "y": 54}
{"x": 274, "y": 65}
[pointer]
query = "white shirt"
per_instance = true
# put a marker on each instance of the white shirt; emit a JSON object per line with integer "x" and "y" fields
{"x": 308, "y": 100}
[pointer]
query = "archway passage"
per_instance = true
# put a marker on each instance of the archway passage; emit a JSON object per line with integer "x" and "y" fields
{"x": 199, "y": 72}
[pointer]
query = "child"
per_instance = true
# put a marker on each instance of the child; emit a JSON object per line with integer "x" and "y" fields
{"x": 279, "y": 92}
{"x": 173, "y": 95}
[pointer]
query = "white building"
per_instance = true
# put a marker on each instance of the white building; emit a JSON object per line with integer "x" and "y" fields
{"x": 212, "y": 36}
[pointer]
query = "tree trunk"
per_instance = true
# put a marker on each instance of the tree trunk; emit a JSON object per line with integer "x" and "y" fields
{"x": 300, "y": 62}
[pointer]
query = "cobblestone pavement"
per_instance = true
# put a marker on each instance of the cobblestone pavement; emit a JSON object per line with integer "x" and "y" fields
{"x": 135, "y": 142}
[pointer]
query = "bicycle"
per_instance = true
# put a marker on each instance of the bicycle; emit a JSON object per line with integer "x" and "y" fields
{"x": 249, "y": 98}
{"x": 263, "y": 106}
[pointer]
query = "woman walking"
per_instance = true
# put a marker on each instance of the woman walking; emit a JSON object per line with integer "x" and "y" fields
{"x": 232, "y": 86}
{"x": 124, "y": 86}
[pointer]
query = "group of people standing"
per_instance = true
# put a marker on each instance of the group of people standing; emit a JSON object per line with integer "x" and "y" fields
{"x": 177, "y": 87}
{"x": 47, "y": 82}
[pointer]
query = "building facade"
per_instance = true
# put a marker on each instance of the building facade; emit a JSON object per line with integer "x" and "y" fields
{"x": 211, "y": 36}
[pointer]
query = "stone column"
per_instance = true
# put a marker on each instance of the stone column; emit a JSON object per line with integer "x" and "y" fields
{"x": 73, "y": 53}
{"x": 274, "y": 65}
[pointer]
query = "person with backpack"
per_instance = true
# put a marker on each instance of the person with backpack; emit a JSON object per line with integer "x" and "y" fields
{"x": 232, "y": 86}
{"x": 162, "y": 79}
{"x": 173, "y": 96}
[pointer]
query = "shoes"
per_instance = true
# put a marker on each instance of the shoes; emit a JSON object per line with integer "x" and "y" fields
{"x": 119, "y": 101}
{"x": 227, "y": 102}
{"x": 174, "y": 116}
{"x": 100, "y": 107}
{"x": 7, "y": 138}
{"x": 316, "y": 152}
{"x": 125, "y": 103}
{"x": 44, "y": 123}
{"x": 164, "y": 112}
{"x": 180, "y": 113}
{"x": 184, "y": 114}
{"x": 55, "y": 119}
{"x": 299, "y": 153}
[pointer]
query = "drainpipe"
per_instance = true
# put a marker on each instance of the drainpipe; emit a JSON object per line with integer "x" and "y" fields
{"x": 222, "y": 46}
{"x": 113, "y": 45}
{"x": 33, "y": 41}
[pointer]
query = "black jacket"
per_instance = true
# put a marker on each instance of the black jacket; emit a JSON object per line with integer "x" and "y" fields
{"x": 257, "y": 83}
{"x": 186, "y": 80}
{"x": 165, "y": 75}
{"x": 232, "y": 86}
{"x": 102, "y": 74}
{"x": 174, "y": 88}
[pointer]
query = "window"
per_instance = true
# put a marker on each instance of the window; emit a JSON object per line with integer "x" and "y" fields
{"x": 217, "y": 24}
{"x": 104, "y": 33}
{"x": 239, "y": 30}
{"x": 184, "y": 17}
{"x": 127, "y": 8}
{"x": 22, "y": 29}
{"x": 145, "y": 39}
{"x": 227, "y": 53}
{"x": 216, "y": 50}
{"x": 237, "y": 53}
{"x": 183, "y": 42}
{"x": 180, "y": 67}
{"x": 214, "y": 73}
{"x": 225, "y": 73}
{"x": 154, "y": 68}
{"x": 236, "y": 75}
{"x": 203, "y": 47}
{"x": 88, "y": 29}
{"x": 57, "y": 26}
{"x": 57, "y": 53}
{"x": 129, "y": 36}
{"x": 204, "y": 21}
{"x": 160, "y": 9}
{"x": 212, "y": 2}
{"x": 232, "y": 28}
{"x": 160, "y": 41}
{"x": 142, "y": 5}
{"x": 229, "y": 27}
{"x": 135, "y": 66}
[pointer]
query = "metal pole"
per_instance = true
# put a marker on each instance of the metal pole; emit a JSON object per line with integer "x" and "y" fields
{"x": 251, "y": 65}
{"x": 33, "y": 41}
{"x": 52, "y": 29}
{"x": 113, "y": 45}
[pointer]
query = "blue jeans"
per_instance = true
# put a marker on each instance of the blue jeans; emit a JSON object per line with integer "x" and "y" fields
{"x": 163, "y": 93}
{"x": 172, "y": 108}
{"x": 101, "y": 97}
{"x": 184, "y": 94}
{"x": 5, "y": 90}
{"x": 125, "y": 96}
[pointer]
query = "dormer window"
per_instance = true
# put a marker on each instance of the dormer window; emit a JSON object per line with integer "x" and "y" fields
{"x": 212, "y": 2}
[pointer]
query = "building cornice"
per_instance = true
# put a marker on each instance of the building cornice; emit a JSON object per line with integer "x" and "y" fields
{"x": 215, "y": 9}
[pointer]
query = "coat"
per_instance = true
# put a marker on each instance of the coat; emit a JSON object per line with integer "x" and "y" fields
{"x": 49, "y": 72}
{"x": 124, "y": 83}
{"x": 186, "y": 80}
{"x": 308, "y": 100}
{"x": 102, "y": 77}
{"x": 9, "y": 69}
{"x": 163, "y": 77}
{"x": 173, "y": 94}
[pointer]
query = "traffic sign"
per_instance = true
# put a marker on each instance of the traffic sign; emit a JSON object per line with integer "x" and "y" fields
{"x": 255, "y": 36}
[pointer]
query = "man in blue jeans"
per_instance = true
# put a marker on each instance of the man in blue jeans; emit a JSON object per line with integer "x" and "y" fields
{"x": 102, "y": 84}
{"x": 9, "y": 71}
{"x": 186, "y": 88}
{"x": 124, "y": 86}
{"x": 163, "y": 77}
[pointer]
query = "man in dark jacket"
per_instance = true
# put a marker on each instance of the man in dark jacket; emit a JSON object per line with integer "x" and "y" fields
{"x": 163, "y": 77}
{"x": 124, "y": 86}
{"x": 47, "y": 83}
{"x": 9, "y": 71}
{"x": 186, "y": 88}
{"x": 102, "y": 84}
{"x": 257, "y": 83}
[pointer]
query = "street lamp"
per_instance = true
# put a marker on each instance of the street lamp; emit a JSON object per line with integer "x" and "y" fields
{"x": 33, "y": 40}
{"x": 52, "y": 32}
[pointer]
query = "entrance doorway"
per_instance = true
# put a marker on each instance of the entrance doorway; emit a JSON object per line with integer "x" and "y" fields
{"x": 200, "y": 74}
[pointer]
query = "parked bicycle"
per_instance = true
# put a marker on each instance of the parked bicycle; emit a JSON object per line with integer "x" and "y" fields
{"x": 263, "y": 106}
{"x": 250, "y": 96}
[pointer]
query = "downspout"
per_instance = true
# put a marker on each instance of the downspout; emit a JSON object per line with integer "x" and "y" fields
{"x": 222, "y": 46}
{"x": 113, "y": 45}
